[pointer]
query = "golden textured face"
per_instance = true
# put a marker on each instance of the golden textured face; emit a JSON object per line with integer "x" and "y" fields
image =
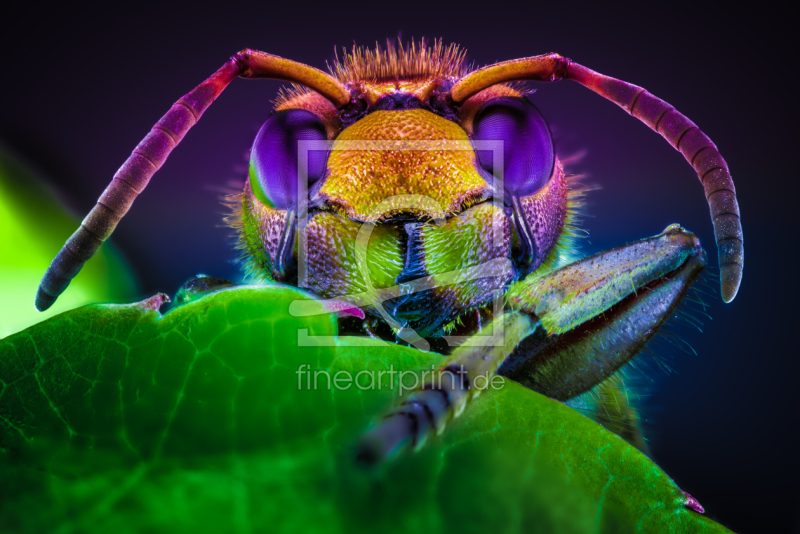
{"x": 362, "y": 175}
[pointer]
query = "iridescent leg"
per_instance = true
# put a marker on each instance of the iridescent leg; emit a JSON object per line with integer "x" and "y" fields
{"x": 563, "y": 334}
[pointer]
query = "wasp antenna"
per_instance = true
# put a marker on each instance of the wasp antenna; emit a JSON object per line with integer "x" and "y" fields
{"x": 544, "y": 68}
{"x": 676, "y": 128}
{"x": 128, "y": 182}
{"x": 152, "y": 152}
{"x": 699, "y": 151}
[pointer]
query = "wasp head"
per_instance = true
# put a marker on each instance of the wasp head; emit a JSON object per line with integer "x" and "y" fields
{"x": 447, "y": 187}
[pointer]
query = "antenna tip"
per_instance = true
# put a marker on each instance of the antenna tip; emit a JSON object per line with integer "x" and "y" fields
{"x": 730, "y": 280}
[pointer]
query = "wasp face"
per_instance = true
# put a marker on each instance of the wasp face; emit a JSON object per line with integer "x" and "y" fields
{"x": 403, "y": 160}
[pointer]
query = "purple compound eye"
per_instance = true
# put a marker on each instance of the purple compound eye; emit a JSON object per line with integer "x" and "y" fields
{"x": 528, "y": 151}
{"x": 273, "y": 160}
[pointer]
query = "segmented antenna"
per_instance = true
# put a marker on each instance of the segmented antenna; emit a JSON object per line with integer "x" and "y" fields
{"x": 676, "y": 128}
{"x": 152, "y": 152}
{"x": 699, "y": 151}
{"x": 128, "y": 182}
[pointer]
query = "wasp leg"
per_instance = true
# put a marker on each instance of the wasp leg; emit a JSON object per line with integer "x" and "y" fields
{"x": 563, "y": 334}
{"x": 598, "y": 313}
{"x": 444, "y": 397}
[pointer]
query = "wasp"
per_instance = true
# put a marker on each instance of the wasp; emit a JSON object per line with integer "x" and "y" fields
{"x": 426, "y": 199}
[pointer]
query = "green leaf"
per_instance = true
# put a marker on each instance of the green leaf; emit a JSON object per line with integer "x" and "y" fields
{"x": 117, "y": 419}
{"x": 33, "y": 227}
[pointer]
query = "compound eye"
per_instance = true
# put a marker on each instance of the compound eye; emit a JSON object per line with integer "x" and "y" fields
{"x": 528, "y": 151}
{"x": 273, "y": 159}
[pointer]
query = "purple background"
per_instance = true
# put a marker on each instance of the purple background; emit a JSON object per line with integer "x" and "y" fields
{"x": 82, "y": 85}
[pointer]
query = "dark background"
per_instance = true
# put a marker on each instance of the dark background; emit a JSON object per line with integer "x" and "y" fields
{"x": 83, "y": 84}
